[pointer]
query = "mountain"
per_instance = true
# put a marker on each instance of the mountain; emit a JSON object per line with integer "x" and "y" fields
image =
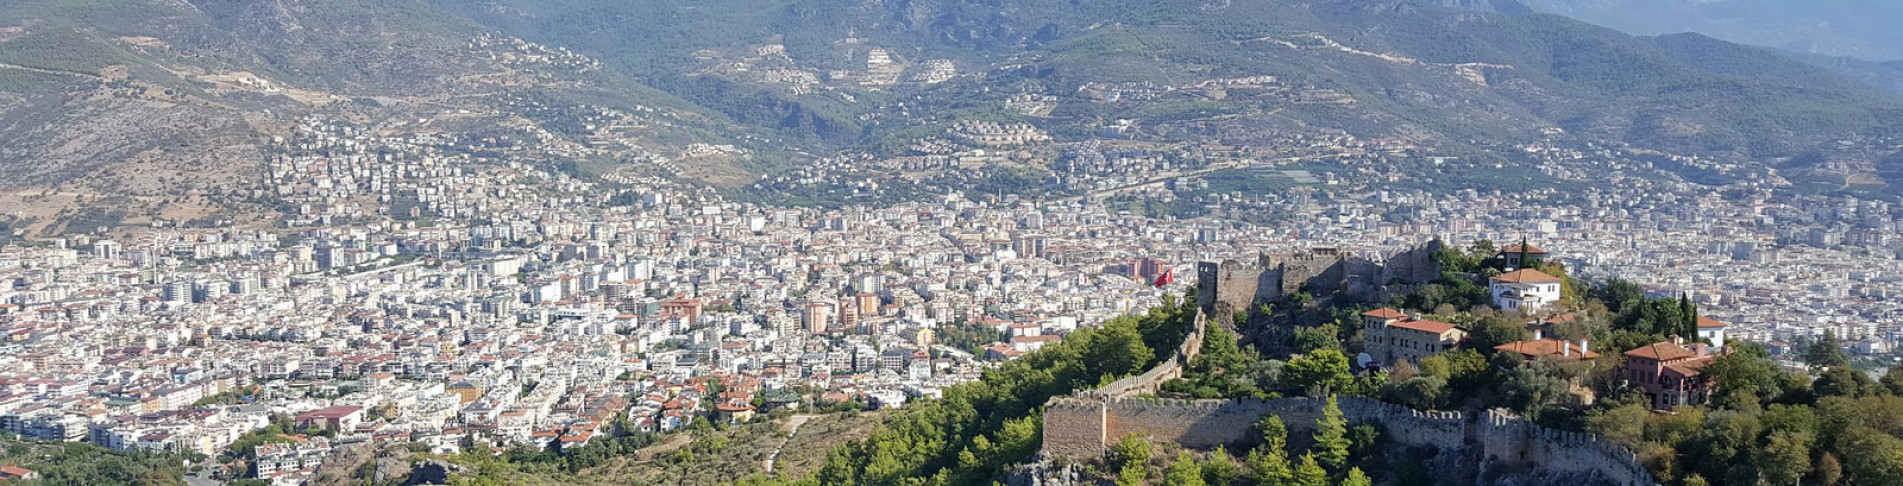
{"x": 179, "y": 104}
{"x": 170, "y": 109}
{"x": 1857, "y": 28}
{"x": 1403, "y": 72}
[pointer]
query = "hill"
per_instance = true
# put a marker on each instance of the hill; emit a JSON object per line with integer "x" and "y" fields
{"x": 1858, "y": 28}
{"x": 146, "y": 110}
{"x": 1393, "y": 75}
{"x": 162, "y": 109}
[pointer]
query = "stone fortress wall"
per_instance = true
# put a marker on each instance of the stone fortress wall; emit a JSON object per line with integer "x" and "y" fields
{"x": 1085, "y": 424}
{"x": 1169, "y": 368}
{"x": 1230, "y": 287}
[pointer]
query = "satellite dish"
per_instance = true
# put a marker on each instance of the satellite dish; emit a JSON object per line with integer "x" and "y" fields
{"x": 1363, "y": 360}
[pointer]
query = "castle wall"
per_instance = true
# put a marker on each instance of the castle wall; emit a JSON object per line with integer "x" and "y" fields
{"x": 1170, "y": 368}
{"x": 1205, "y": 424}
{"x": 1226, "y": 288}
{"x": 1074, "y": 428}
{"x": 1084, "y": 425}
{"x": 1229, "y": 287}
{"x": 1504, "y": 437}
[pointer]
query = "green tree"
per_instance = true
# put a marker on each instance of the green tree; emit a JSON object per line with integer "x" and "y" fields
{"x": 1785, "y": 458}
{"x": 1269, "y": 468}
{"x": 1183, "y": 471}
{"x": 1871, "y": 456}
{"x": 1492, "y": 331}
{"x": 1744, "y": 378}
{"x": 1331, "y": 437}
{"x": 1310, "y": 473}
{"x": 1274, "y": 433}
{"x": 1131, "y": 450}
{"x": 1532, "y": 386}
{"x": 1426, "y": 392}
{"x": 1619, "y": 293}
{"x": 1133, "y": 475}
{"x": 1356, "y": 478}
{"x": 1220, "y": 469}
{"x": 1625, "y": 424}
{"x": 1892, "y": 381}
{"x": 1310, "y": 339}
{"x": 1827, "y": 352}
{"x": 1843, "y": 381}
{"x": 1320, "y": 372}
{"x": 1268, "y": 464}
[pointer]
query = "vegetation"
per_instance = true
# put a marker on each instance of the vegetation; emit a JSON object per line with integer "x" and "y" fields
{"x": 78, "y": 463}
{"x": 968, "y": 437}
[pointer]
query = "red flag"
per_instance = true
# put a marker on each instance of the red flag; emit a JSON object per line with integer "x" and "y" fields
{"x": 1168, "y": 277}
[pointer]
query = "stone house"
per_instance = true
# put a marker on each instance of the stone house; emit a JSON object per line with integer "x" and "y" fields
{"x": 1390, "y": 336}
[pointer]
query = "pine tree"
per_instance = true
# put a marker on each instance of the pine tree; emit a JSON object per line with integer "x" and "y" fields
{"x": 1269, "y": 468}
{"x": 1525, "y": 259}
{"x": 1357, "y": 478}
{"x": 1274, "y": 433}
{"x": 1331, "y": 437}
{"x": 1690, "y": 313}
{"x": 1310, "y": 473}
{"x": 1184, "y": 471}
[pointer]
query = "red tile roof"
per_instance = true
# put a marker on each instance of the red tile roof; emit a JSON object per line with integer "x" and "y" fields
{"x": 1530, "y": 249}
{"x": 1385, "y": 313}
{"x": 1660, "y": 351}
{"x": 1526, "y": 275}
{"x": 1544, "y": 347}
{"x": 1431, "y": 327}
{"x": 1709, "y": 323}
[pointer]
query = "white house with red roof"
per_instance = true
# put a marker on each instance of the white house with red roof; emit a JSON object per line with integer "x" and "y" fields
{"x": 1526, "y": 290}
{"x": 1712, "y": 330}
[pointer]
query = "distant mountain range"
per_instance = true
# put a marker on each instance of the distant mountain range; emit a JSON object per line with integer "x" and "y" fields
{"x": 157, "y": 96}
{"x": 1864, "y": 29}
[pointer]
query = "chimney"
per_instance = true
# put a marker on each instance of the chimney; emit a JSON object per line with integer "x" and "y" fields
{"x": 1699, "y": 348}
{"x": 1566, "y": 348}
{"x": 1585, "y": 346}
{"x": 1678, "y": 340}
{"x": 1537, "y": 334}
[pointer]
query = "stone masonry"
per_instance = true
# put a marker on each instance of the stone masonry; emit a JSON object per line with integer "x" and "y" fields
{"x": 1230, "y": 287}
{"x": 1083, "y": 425}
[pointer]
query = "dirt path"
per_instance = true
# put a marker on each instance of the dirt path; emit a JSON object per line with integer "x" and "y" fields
{"x": 793, "y": 429}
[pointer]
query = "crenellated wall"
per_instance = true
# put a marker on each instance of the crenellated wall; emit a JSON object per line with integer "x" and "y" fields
{"x": 1170, "y": 368}
{"x": 1083, "y": 425}
{"x": 1506, "y": 438}
{"x": 1071, "y": 424}
{"x": 1230, "y": 287}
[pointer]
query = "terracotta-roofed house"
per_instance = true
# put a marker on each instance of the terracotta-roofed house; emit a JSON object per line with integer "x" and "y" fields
{"x": 1670, "y": 372}
{"x": 1511, "y": 254}
{"x": 1712, "y": 330}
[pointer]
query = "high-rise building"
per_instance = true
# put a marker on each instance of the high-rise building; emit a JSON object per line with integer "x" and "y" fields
{"x": 849, "y": 316}
{"x": 816, "y": 318}
{"x": 106, "y": 249}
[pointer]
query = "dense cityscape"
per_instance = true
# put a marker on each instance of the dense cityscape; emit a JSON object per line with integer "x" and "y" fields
{"x": 947, "y": 243}
{"x": 540, "y": 317}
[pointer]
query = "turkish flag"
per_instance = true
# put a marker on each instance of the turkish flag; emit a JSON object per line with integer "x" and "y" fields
{"x": 1168, "y": 277}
